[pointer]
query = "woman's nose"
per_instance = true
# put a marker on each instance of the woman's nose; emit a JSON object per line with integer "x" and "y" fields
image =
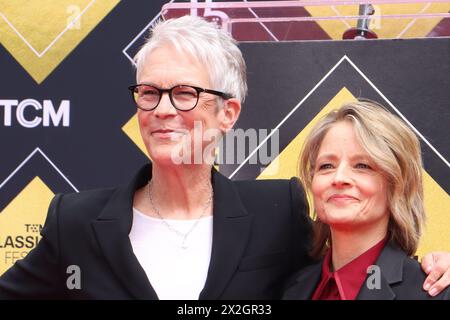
{"x": 165, "y": 107}
{"x": 342, "y": 176}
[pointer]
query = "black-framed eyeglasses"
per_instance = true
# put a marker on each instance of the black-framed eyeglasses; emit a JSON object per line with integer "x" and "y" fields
{"x": 182, "y": 97}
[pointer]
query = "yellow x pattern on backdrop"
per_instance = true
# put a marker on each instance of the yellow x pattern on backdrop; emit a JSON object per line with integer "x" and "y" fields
{"x": 404, "y": 28}
{"x": 39, "y": 34}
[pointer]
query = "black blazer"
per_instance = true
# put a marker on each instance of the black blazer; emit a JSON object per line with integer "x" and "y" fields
{"x": 261, "y": 235}
{"x": 401, "y": 279}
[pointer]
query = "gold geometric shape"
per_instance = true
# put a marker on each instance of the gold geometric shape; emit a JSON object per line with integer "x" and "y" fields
{"x": 131, "y": 129}
{"x": 40, "y": 34}
{"x": 285, "y": 165}
{"x": 384, "y": 28}
{"x": 436, "y": 236}
{"x": 20, "y": 221}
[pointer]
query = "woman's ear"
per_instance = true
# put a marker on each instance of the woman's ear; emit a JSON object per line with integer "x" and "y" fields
{"x": 229, "y": 114}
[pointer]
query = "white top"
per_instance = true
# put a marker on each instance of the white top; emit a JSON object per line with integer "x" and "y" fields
{"x": 174, "y": 272}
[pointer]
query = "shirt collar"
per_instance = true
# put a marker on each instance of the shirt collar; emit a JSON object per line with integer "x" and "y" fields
{"x": 351, "y": 276}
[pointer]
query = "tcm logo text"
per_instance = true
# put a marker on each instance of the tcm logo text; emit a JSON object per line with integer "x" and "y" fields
{"x": 31, "y": 113}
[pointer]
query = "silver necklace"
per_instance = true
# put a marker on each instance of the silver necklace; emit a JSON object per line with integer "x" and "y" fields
{"x": 180, "y": 234}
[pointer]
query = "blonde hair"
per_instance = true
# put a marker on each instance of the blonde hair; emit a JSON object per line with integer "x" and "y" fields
{"x": 395, "y": 149}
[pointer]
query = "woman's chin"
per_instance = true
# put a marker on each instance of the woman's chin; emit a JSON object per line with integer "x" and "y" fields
{"x": 164, "y": 156}
{"x": 171, "y": 158}
{"x": 340, "y": 221}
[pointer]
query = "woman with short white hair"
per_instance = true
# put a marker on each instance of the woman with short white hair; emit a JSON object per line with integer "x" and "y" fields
{"x": 180, "y": 229}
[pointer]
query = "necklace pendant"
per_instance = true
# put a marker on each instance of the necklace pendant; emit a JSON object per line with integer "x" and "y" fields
{"x": 184, "y": 245}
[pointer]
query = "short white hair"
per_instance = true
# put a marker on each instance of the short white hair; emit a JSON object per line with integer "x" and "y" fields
{"x": 211, "y": 46}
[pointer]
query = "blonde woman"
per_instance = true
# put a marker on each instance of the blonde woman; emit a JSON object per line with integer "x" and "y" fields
{"x": 362, "y": 166}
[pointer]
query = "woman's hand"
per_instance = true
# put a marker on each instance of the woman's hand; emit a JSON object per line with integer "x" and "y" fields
{"x": 437, "y": 266}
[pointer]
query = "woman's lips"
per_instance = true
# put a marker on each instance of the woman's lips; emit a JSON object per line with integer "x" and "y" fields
{"x": 342, "y": 198}
{"x": 167, "y": 133}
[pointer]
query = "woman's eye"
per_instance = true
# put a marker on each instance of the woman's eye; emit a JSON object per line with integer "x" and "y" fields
{"x": 362, "y": 166}
{"x": 185, "y": 94}
{"x": 150, "y": 92}
{"x": 325, "y": 166}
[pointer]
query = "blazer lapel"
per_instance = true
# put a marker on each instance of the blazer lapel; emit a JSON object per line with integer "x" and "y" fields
{"x": 384, "y": 292}
{"x": 306, "y": 283}
{"x": 390, "y": 263}
{"x": 231, "y": 230}
{"x": 112, "y": 229}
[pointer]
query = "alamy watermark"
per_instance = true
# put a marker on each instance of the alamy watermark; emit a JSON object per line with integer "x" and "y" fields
{"x": 374, "y": 279}
{"x": 74, "y": 279}
{"x": 200, "y": 146}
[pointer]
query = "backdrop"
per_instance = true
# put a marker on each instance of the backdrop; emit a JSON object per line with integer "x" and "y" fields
{"x": 67, "y": 122}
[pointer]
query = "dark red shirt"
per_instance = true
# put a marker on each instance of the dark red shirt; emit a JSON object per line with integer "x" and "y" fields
{"x": 345, "y": 283}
